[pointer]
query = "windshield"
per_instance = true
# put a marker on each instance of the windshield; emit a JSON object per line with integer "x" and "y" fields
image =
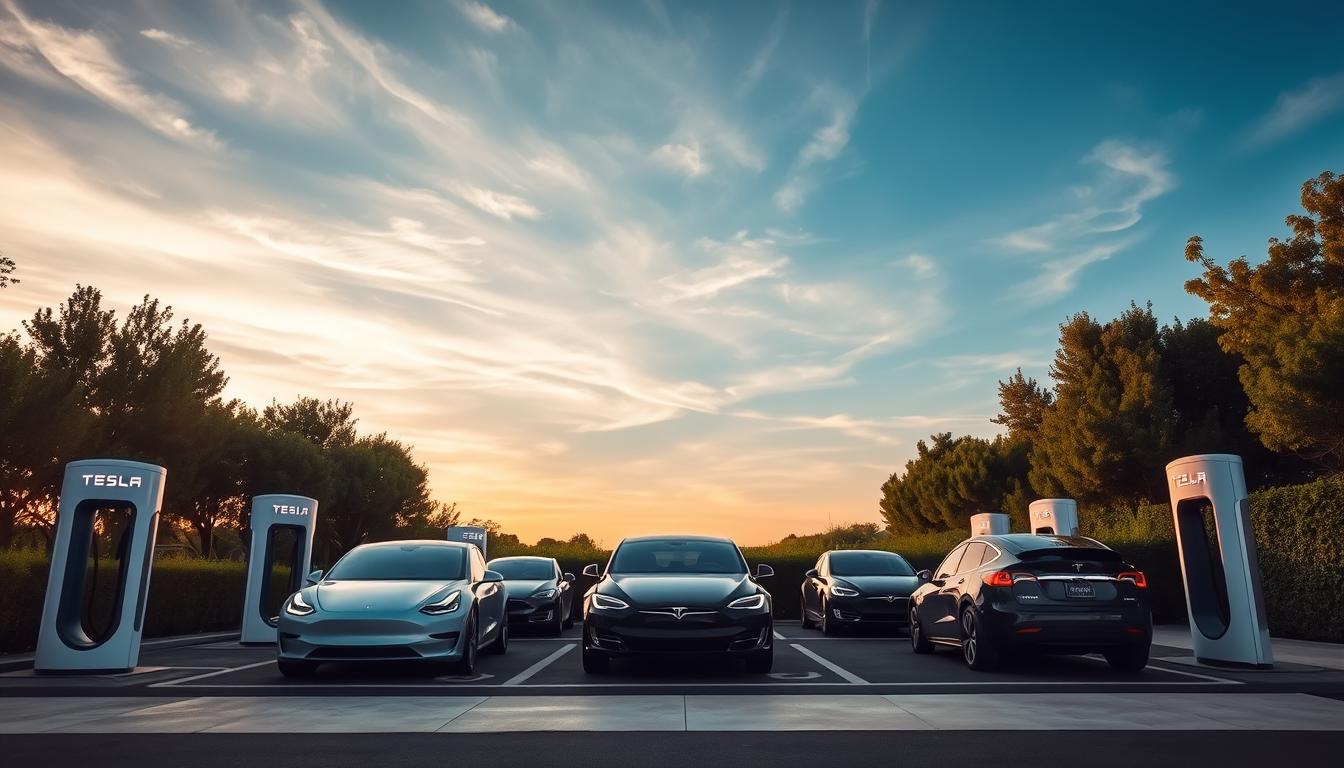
{"x": 523, "y": 570}
{"x": 405, "y": 563}
{"x": 673, "y": 556}
{"x": 869, "y": 564}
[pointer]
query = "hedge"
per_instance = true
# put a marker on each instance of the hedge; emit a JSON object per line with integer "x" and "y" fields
{"x": 1299, "y": 531}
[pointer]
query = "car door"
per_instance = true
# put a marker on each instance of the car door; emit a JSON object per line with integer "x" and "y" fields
{"x": 935, "y": 611}
{"x": 813, "y": 586}
{"x": 964, "y": 581}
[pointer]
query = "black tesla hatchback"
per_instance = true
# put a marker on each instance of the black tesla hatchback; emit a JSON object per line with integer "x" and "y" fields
{"x": 1029, "y": 592}
{"x": 677, "y": 595}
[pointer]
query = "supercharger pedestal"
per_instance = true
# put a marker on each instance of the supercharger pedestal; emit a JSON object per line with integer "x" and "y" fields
{"x": 272, "y": 515}
{"x": 115, "y": 495}
{"x": 989, "y": 524}
{"x": 469, "y": 534}
{"x": 1218, "y": 560}
{"x": 1056, "y": 516}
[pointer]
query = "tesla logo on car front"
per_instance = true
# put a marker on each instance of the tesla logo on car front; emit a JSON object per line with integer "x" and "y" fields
{"x": 1078, "y": 567}
{"x": 678, "y": 612}
{"x": 891, "y": 598}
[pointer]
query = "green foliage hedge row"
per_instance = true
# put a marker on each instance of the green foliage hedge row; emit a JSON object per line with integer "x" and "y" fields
{"x": 1299, "y": 531}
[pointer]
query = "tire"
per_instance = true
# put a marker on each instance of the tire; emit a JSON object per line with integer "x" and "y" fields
{"x": 1129, "y": 660}
{"x": 595, "y": 662}
{"x": 761, "y": 662}
{"x": 467, "y": 664}
{"x": 918, "y": 642}
{"x": 976, "y": 650}
{"x": 828, "y": 627}
{"x": 556, "y": 625}
{"x": 290, "y": 668}
{"x": 501, "y": 644}
{"x": 802, "y": 612}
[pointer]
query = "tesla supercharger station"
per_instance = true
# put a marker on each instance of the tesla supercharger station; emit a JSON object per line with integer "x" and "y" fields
{"x": 989, "y": 524}
{"x": 1218, "y": 560}
{"x": 1057, "y": 516}
{"x": 275, "y": 515}
{"x": 107, "y": 495}
{"x": 469, "y": 534}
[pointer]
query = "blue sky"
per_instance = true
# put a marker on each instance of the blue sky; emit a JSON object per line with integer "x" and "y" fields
{"x": 630, "y": 267}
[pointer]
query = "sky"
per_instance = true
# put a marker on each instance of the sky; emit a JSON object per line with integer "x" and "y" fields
{"x": 635, "y": 267}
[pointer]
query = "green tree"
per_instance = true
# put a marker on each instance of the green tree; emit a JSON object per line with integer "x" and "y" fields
{"x": 7, "y": 268}
{"x": 1285, "y": 318}
{"x": 377, "y": 489}
{"x": 950, "y": 480}
{"x": 1024, "y": 403}
{"x": 1108, "y": 435}
{"x": 327, "y": 423}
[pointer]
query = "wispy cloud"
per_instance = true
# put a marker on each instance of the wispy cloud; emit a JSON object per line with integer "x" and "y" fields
{"x": 682, "y": 158}
{"x": 1295, "y": 111}
{"x": 825, "y": 144}
{"x": 760, "y": 63}
{"x": 484, "y": 17}
{"x": 167, "y": 38}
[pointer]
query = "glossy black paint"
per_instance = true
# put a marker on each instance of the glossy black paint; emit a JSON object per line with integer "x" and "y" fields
{"x": 881, "y": 599}
{"x": 1036, "y": 613}
{"x": 527, "y": 603}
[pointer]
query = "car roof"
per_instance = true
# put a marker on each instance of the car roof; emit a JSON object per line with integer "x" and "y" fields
{"x": 865, "y": 551}
{"x": 523, "y": 557}
{"x": 1029, "y": 542}
{"x": 414, "y": 543}
{"x": 676, "y": 537}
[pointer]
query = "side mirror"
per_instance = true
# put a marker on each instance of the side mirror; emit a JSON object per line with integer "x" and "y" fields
{"x": 569, "y": 576}
{"x": 314, "y": 577}
{"x": 591, "y": 569}
{"x": 763, "y": 570}
{"x": 492, "y": 577}
{"x": 937, "y": 582}
{"x": 925, "y": 575}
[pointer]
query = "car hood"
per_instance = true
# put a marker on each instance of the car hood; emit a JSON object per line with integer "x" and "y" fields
{"x": 706, "y": 590}
{"x": 521, "y": 588}
{"x": 882, "y": 585}
{"x": 362, "y": 596}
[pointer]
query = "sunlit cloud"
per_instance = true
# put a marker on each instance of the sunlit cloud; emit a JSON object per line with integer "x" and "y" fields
{"x": 1296, "y": 110}
{"x": 483, "y": 16}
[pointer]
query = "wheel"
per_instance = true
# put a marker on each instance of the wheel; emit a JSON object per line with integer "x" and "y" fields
{"x": 595, "y": 662}
{"x": 828, "y": 627}
{"x": 467, "y": 664}
{"x": 569, "y": 618}
{"x": 556, "y": 624}
{"x": 290, "y": 668}
{"x": 802, "y": 611}
{"x": 978, "y": 652}
{"x": 1129, "y": 660}
{"x": 761, "y": 662}
{"x": 918, "y": 642}
{"x": 501, "y": 644}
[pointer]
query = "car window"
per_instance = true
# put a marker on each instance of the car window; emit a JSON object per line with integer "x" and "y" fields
{"x": 477, "y": 564}
{"x": 408, "y": 562}
{"x": 822, "y": 566}
{"x": 523, "y": 569}
{"x": 990, "y": 554}
{"x": 870, "y": 564}
{"x": 971, "y": 558}
{"x": 678, "y": 556}
{"x": 949, "y": 564}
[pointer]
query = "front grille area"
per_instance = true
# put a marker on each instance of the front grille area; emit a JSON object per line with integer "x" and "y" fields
{"x": 356, "y": 652}
{"x": 518, "y": 605}
{"x": 678, "y": 644}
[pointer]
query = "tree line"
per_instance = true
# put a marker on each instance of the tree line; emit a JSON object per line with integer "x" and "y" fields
{"x": 1262, "y": 376}
{"x": 79, "y": 382}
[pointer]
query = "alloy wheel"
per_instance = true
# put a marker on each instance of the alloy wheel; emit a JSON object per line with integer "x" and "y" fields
{"x": 968, "y": 637}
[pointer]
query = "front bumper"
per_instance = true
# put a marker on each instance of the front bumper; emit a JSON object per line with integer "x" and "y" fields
{"x": 523, "y": 611}
{"x": 632, "y": 633}
{"x": 345, "y": 637}
{"x": 1067, "y": 630}
{"x": 868, "y": 609}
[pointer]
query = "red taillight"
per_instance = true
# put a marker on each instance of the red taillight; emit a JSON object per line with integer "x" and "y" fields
{"x": 1006, "y": 578}
{"x": 1137, "y": 577}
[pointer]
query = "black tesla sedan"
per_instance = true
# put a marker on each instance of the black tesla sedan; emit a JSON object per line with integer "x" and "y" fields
{"x": 540, "y": 594}
{"x": 675, "y": 595}
{"x": 857, "y": 586}
{"x": 1029, "y": 592}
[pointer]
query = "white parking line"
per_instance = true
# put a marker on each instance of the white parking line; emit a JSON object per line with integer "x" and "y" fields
{"x": 779, "y": 636}
{"x": 540, "y": 665}
{"x": 836, "y": 668}
{"x": 224, "y": 671}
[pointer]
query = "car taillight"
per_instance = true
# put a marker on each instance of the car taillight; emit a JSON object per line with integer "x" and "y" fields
{"x": 1137, "y": 577}
{"x": 1007, "y": 578}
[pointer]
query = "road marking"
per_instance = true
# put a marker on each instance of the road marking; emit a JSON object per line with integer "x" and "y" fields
{"x": 795, "y": 675}
{"x": 836, "y": 668}
{"x": 224, "y": 671}
{"x": 540, "y": 665}
{"x": 779, "y": 636}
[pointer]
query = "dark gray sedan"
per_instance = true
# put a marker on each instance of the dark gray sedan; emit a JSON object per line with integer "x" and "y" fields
{"x": 540, "y": 594}
{"x": 858, "y": 586}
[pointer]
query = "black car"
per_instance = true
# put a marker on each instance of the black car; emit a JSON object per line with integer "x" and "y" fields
{"x": 1029, "y": 592}
{"x": 854, "y": 586}
{"x": 540, "y": 594}
{"x": 677, "y": 595}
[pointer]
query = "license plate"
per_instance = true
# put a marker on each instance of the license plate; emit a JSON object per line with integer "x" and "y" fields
{"x": 1079, "y": 590}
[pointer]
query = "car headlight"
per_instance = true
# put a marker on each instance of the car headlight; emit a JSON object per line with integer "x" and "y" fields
{"x": 749, "y": 602}
{"x": 544, "y": 593}
{"x": 840, "y": 590}
{"x": 608, "y": 603}
{"x": 298, "y": 606}
{"x": 449, "y": 603}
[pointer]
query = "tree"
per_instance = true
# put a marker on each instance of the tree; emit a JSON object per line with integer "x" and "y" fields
{"x": 1024, "y": 404}
{"x": 7, "y": 268}
{"x": 330, "y": 423}
{"x": 1108, "y": 435}
{"x": 72, "y": 341}
{"x": 377, "y": 489}
{"x": 952, "y": 479}
{"x": 1285, "y": 318}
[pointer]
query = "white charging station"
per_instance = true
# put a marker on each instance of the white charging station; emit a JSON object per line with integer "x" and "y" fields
{"x": 1055, "y": 516}
{"x": 278, "y": 520}
{"x": 1212, "y": 513}
{"x": 989, "y": 524}
{"x": 469, "y": 534}
{"x": 112, "y": 496}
